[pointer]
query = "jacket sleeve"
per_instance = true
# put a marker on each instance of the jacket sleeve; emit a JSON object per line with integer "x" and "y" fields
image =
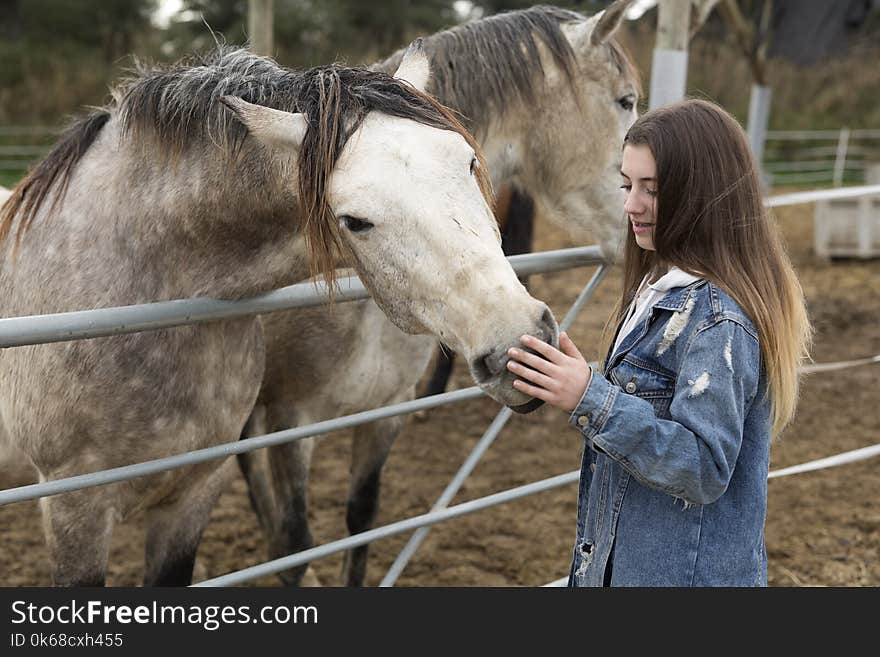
{"x": 692, "y": 454}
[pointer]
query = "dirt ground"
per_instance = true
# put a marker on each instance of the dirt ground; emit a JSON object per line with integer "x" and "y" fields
{"x": 823, "y": 527}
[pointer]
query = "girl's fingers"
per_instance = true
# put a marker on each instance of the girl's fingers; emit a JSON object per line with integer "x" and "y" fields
{"x": 549, "y": 352}
{"x": 534, "y": 377}
{"x": 533, "y": 361}
{"x": 532, "y": 391}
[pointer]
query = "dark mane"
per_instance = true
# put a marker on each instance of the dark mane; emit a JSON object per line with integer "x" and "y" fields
{"x": 479, "y": 66}
{"x": 179, "y": 107}
{"x": 179, "y": 104}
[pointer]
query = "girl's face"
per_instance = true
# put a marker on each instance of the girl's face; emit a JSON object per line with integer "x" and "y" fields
{"x": 639, "y": 173}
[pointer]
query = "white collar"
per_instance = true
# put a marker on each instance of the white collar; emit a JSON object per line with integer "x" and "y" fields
{"x": 675, "y": 277}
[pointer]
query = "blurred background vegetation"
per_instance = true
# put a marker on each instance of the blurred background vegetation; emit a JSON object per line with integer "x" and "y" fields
{"x": 59, "y": 56}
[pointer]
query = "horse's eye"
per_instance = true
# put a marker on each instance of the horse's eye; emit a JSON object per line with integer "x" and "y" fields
{"x": 627, "y": 102}
{"x": 354, "y": 224}
{"x": 473, "y": 164}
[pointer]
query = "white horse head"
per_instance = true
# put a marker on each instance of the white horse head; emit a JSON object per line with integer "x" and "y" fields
{"x": 549, "y": 93}
{"x": 410, "y": 195}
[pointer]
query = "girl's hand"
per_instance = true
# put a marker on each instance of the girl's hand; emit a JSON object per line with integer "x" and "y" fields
{"x": 560, "y": 380}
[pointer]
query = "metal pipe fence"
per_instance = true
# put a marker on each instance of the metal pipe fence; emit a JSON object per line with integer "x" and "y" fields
{"x": 482, "y": 446}
{"x": 129, "y": 319}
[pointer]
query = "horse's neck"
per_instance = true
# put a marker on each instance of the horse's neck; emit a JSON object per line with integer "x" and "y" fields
{"x": 183, "y": 226}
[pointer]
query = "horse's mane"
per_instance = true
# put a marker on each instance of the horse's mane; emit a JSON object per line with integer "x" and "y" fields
{"x": 480, "y": 66}
{"x": 179, "y": 106}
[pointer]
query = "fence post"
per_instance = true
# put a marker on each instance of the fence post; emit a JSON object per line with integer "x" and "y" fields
{"x": 840, "y": 159}
{"x": 669, "y": 63}
{"x": 759, "y": 115}
{"x": 261, "y": 26}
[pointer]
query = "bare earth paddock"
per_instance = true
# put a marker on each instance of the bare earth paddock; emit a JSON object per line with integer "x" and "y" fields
{"x": 823, "y": 527}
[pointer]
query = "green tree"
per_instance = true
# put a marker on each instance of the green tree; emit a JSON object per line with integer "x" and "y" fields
{"x": 56, "y": 55}
{"x": 309, "y": 32}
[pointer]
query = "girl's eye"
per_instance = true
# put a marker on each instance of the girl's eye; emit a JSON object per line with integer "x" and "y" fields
{"x": 626, "y": 187}
{"x": 651, "y": 192}
{"x": 354, "y": 224}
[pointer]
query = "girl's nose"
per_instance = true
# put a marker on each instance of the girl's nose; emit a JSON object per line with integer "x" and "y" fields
{"x": 631, "y": 204}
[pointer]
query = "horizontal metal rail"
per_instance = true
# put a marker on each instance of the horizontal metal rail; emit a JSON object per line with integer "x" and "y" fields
{"x": 818, "y": 135}
{"x": 839, "y": 365}
{"x": 101, "y": 322}
{"x": 59, "y": 327}
{"x": 123, "y": 473}
{"x": 58, "y": 486}
{"x": 843, "y": 458}
{"x": 305, "y": 294}
{"x": 434, "y": 517}
{"x": 821, "y": 195}
{"x": 300, "y": 558}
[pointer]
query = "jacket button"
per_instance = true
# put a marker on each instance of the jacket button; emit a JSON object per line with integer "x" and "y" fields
{"x": 584, "y": 420}
{"x": 630, "y": 387}
{"x": 592, "y": 467}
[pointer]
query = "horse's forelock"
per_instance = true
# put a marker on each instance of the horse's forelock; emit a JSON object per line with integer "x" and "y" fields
{"x": 482, "y": 65}
{"x": 336, "y": 100}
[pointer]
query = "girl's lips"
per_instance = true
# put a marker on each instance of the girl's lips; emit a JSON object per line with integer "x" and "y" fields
{"x": 641, "y": 229}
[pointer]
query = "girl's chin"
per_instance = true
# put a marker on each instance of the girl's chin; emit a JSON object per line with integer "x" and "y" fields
{"x": 645, "y": 242}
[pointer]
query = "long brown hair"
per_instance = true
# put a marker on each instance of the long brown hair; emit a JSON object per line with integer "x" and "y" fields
{"x": 711, "y": 222}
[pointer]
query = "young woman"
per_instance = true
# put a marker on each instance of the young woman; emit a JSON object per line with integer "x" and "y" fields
{"x": 702, "y": 370}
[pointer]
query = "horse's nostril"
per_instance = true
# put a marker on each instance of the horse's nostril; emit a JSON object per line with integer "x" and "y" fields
{"x": 489, "y": 365}
{"x": 549, "y": 328}
{"x": 480, "y": 368}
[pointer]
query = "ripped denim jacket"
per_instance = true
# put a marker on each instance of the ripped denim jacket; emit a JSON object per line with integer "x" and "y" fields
{"x": 673, "y": 485}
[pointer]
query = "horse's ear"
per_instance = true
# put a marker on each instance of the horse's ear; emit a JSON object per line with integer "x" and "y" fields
{"x": 414, "y": 67}
{"x": 598, "y": 28}
{"x": 280, "y": 130}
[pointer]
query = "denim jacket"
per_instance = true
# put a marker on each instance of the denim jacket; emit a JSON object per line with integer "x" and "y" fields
{"x": 673, "y": 486}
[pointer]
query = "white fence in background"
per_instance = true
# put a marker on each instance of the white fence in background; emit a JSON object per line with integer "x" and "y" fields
{"x": 21, "y": 146}
{"x": 835, "y": 157}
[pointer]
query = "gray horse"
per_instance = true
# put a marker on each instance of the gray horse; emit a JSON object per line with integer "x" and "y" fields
{"x": 226, "y": 176}
{"x": 550, "y": 95}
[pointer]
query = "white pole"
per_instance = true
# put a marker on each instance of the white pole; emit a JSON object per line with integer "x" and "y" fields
{"x": 840, "y": 160}
{"x": 759, "y": 117}
{"x": 669, "y": 65}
